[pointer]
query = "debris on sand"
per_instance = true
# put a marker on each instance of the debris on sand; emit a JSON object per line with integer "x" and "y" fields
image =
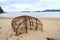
{"x": 7, "y": 38}
{"x": 0, "y": 32}
{"x": 51, "y": 38}
{"x": 0, "y": 27}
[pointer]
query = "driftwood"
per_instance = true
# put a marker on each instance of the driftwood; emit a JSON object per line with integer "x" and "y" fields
{"x": 22, "y": 24}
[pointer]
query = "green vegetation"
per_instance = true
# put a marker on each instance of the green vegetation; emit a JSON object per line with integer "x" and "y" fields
{"x": 1, "y": 10}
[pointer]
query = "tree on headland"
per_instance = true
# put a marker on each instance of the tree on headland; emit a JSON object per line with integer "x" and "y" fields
{"x": 1, "y": 10}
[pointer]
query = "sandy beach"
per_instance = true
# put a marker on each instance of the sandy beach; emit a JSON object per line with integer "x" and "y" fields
{"x": 51, "y": 28}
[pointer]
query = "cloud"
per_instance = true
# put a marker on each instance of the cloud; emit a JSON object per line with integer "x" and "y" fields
{"x": 2, "y": 1}
{"x": 32, "y": 5}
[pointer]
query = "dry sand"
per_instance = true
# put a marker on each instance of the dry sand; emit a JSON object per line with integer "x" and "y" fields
{"x": 51, "y": 27}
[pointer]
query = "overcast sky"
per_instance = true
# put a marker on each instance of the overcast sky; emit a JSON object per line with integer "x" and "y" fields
{"x": 29, "y": 5}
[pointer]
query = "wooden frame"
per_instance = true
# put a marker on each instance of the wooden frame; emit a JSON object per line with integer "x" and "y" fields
{"x": 25, "y": 23}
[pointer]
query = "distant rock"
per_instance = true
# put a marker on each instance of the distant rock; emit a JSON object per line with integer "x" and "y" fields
{"x": 25, "y": 11}
{"x": 37, "y": 11}
{"x": 52, "y": 10}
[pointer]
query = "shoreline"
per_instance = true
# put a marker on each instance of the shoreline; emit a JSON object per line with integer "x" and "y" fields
{"x": 36, "y": 17}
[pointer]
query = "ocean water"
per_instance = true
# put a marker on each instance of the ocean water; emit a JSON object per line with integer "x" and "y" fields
{"x": 34, "y": 14}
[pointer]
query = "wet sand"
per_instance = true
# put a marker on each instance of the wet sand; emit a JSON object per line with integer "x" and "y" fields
{"x": 51, "y": 27}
